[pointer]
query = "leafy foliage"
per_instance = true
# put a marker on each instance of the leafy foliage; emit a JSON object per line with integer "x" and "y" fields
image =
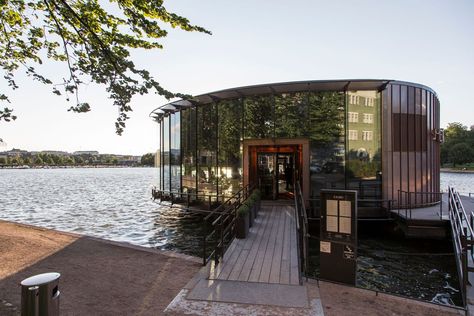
{"x": 459, "y": 141}
{"x": 93, "y": 38}
{"x": 148, "y": 160}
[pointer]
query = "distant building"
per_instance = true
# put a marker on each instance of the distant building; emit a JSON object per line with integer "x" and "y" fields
{"x": 55, "y": 152}
{"x": 15, "y": 152}
{"x": 86, "y": 152}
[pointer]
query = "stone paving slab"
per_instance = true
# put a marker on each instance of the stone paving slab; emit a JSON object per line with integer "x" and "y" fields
{"x": 250, "y": 293}
{"x": 183, "y": 306}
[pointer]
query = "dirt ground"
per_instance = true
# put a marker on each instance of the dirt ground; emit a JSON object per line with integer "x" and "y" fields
{"x": 97, "y": 277}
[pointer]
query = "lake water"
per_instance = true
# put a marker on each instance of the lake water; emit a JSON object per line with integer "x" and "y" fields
{"x": 110, "y": 203}
{"x": 115, "y": 204}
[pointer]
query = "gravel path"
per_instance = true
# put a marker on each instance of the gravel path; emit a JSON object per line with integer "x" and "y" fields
{"x": 97, "y": 277}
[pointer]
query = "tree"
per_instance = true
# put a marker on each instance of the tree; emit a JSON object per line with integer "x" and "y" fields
{"x": 3, "y": 161}
{"x": 38, "y": 160}
{"x": 93, "y": 39}
{"x": 456, "y": 134}
{"x": 148, "y": 159}
{"x": 455, "y": 131}
{"x": 79, "y": 160}
{"x": 460, "y": 153}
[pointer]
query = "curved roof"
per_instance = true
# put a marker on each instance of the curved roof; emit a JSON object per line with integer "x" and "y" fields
{"x": 280, "y": 87}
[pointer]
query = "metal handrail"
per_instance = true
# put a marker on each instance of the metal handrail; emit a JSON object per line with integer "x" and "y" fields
{"x": 160, "y": 194}
{"x": 302, "y": 229}
{"x": 245, "y": 192}
{"x": 462, "y": 234}
{"x": 223, "y": 231}
{"x": 408, "y": 206}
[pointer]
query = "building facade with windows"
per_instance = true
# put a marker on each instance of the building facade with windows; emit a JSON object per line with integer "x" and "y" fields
{"x": 379, "y": 137}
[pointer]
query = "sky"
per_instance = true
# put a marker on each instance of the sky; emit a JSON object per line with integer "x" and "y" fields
{"x": 429, "y": 42}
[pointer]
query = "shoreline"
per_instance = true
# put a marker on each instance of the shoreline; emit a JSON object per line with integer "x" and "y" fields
{"x": 450, "y": 170}
{"x": 70, "y": 167}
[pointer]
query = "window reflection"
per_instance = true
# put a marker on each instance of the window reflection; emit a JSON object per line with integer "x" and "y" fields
{"x": 188, "y": 129}
{"x": 326, "y": 132}
{"x": 166, "y": 153}
{"x": 175, "y": 152}
{"x": 207, "y": 149}
{"x": 363, "y": 164}
{"x": 230, "y": 152}
{"x": 258, "y": 117}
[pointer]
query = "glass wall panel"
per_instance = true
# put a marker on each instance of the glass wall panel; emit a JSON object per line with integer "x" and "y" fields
{"x": 188, "y": 137}
{"x": 166, "y": 153}
{"x": 258, "y": 117}
{"x": 291, "y": 115}
{"x": 326, "y": 133}
{"x": 363, "y": 159}
{"x": 175, "y": 152}
{"x": 230, "y": 150}
{"x": 207, "y": 149}
{"x": 158, "y": 159}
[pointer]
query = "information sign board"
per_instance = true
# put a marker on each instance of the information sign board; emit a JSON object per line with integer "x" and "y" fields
{"x": 338, "y": 245}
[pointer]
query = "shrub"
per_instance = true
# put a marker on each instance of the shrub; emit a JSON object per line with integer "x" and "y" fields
{"x": 243, "y": 210}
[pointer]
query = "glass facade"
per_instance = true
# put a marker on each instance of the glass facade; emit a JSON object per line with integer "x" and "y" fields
{"x": 202, "y": 144}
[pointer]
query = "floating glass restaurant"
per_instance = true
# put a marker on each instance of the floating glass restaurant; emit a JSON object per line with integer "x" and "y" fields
{"x": 379, "y": 137}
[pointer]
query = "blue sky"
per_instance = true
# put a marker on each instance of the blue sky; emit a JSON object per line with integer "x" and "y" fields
{"x": 427, "y": 42}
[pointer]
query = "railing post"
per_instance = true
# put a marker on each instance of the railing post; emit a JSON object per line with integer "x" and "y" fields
{"x": 204, "y": 250}
{"x": 440, "y": 206}
{"x": 221, "y": 248}
{"x": 465, "y": 274}
{"x": 409, "y": 201}
{"x": 471, "y": 237}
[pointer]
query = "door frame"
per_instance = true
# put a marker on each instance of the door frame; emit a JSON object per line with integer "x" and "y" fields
{"x": 305, "y": 157}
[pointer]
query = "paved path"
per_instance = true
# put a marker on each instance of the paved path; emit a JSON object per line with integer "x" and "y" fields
{"x": 97, "y": 277}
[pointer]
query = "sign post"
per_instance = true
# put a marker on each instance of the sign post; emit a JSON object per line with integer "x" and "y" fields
{"x": 338, "y": 245}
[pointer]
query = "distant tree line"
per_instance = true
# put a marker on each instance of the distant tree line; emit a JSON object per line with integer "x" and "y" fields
{"x": 46, "y": 159}
{"x": 458, "y": 147}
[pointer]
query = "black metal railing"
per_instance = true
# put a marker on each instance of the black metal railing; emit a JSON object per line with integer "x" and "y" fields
{"x": 223, "y": 217}
{"x": 188, "y": 199}
{"x": 302, "y": 229}
{"x": 407, "y": 201}
{"x": 462, "y": 223}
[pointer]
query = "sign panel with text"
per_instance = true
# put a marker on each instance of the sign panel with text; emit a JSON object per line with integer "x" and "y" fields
{"x": 338, "y": 245}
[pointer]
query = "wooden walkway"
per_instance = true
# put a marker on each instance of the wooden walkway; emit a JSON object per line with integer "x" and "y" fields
{"x": 268, "y": 255}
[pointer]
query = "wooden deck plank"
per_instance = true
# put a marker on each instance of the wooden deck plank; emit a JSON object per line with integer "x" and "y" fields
{"x": 229, "y": 264}
{"x": 249, "y": 241}
{"x": 257, "y": 266}
{"x": 270, "y": 251}
{"x": 285, "y": 257}
{"x": 277, "y": 253}
{"x": 294, "y": 265}
{"x": 268, "y": 255}
{"x": 262, "y": 224}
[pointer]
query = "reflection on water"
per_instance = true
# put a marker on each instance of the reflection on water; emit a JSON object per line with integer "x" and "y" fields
{"x": 107, "y": 203}
{"x": 419, "y": 269}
